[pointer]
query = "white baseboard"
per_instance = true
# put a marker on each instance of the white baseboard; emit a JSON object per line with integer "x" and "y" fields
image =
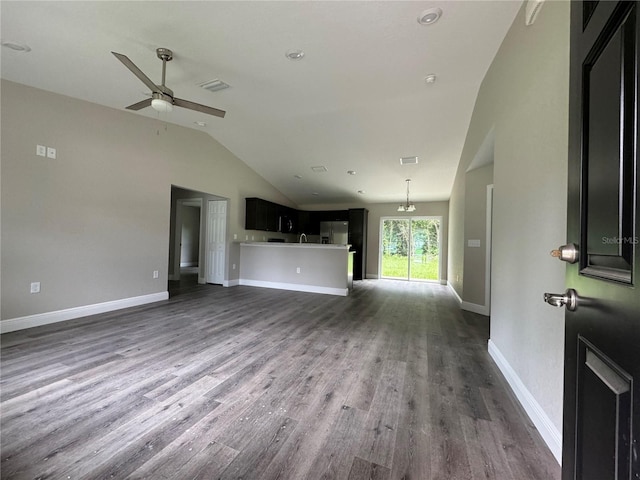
{"x": 295, "y": 287}
{"x": 475, "y": 308}
{"x": 455, "y": 294}
{"x": 548, "y": 431}
{"x": 188, "y": 264}
{"x": 231, "y": 283}
{"x": 373, "y": 276}
{"x": 202, "y": 280}
{"x": 30, "y": 321}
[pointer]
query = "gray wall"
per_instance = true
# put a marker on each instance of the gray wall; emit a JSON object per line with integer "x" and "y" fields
{"x": 93, "y": 225}
{"x": 190, "y": 237}
{"x": 475, "y": 228}
{"x": 524, "y": 99}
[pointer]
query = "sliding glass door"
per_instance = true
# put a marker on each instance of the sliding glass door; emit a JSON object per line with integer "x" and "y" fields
{"x": 410, "y": 248}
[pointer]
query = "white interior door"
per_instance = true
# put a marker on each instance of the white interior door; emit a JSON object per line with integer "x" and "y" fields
{"x": 216, "y": 240}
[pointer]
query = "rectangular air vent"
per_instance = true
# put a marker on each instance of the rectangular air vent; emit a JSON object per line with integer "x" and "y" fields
{"x": 408, "y": 160}
{"x": 319, "y": 169}
{"x": 214, "y": 85}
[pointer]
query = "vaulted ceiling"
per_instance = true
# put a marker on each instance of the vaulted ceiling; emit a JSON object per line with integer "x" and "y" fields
{"x": 357, "y": 100}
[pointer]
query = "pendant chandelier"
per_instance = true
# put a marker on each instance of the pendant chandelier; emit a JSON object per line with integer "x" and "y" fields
{"x": 409, "y": 206}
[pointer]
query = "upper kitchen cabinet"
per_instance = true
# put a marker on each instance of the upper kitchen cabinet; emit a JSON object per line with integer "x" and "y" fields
{"x": 308, "y": 223}
{"x": 333, "y": 215}
{"x": 261, "y": 215}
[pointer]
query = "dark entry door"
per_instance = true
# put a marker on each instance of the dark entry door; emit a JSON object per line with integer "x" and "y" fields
{"x": 601, "y": 437}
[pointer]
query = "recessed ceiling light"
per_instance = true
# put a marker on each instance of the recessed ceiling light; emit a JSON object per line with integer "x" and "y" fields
{"x": 361, "y": 192}
{"x": 429, "y": 16}
{"x": 294, "y": 54}
{"x": 201, "y": 124}
{"x": 431, "y": 78}
{"x": 351, "y": 172}
{"x": 408, "y": 160}
{"x": 17, "y": 46}
{"x": 315, "y": 194}
{"x": 319, "y": 169}
{"x": 298, "y": 177}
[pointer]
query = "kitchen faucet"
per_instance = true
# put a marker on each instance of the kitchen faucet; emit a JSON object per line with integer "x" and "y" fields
{"x": 305, "y": 238}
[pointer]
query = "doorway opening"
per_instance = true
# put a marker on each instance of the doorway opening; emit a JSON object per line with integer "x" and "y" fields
{"x": 410, "y": 248}
{"x": 197, "y": 250}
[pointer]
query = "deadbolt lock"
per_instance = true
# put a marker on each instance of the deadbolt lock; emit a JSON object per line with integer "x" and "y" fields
{"x": 567, "y": 253}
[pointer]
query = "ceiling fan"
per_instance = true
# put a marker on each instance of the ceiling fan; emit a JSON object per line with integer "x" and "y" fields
{"x": 162, "y": 98}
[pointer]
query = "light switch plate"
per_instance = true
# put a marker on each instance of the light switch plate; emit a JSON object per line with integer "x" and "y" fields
{"x": 473, "y": 243}
{"x": 51, "y": 152}
{"x": 41, "y": 150}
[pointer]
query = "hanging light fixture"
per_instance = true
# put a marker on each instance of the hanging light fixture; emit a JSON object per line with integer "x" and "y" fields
{"x": 409, "y": 206}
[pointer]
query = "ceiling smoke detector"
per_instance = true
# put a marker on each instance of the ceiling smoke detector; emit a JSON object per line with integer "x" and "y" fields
{"x": 430, "y": 79}
{"x": 429, "y": 16}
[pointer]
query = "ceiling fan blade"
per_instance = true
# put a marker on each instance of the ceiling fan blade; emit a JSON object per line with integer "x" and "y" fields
{"x": 140, "y": 105}
{"x": 199, "y": 108}
{"x": 137, "y": 72}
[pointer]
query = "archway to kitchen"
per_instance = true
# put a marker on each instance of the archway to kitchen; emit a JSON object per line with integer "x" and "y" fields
{"x": 410, "y": 248}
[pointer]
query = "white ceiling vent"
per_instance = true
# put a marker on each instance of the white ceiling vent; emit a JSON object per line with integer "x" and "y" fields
{"x": 319, "y": 169}
{"x": 408, "y": 160}
{"x": 214, "y": 85}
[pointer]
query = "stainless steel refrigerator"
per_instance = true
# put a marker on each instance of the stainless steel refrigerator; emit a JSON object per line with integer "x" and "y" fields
{"x": 334, "y": 232}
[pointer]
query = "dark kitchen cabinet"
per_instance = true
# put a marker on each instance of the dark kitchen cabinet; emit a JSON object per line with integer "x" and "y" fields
{"x": 261, "y": 215}
{"x": 333, "y": 215}
{"x": 358, "y": 219}
{"x": 307, "y": 223}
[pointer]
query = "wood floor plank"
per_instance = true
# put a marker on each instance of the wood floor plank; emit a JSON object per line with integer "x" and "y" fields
{"x": 363, "y": 470}
{"x": 391, "y": 382}
{"x": 378, "y": 442}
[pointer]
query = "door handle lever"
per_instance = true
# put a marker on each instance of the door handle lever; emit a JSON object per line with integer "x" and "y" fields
{"x": 568, "y": 299}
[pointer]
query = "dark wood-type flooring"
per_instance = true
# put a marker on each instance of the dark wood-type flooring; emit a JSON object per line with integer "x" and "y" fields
{"x": 392, "y": 382}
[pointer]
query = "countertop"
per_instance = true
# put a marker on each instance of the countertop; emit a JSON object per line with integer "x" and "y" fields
{"x": 294, "y": 245}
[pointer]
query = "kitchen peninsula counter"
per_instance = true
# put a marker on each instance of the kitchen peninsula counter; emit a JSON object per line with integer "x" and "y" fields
{"x": 304, "y": 267}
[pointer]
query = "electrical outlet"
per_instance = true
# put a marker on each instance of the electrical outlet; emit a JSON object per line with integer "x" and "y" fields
{"x": 298, "y": 270}
{"x": 155, "y": 274}
{"x": 41, "y": 150}
{"x": 35, "y": 287}
{"x": 253, "y": 238}
{"x": 246, "y": 237}
{"x": 51, "y": 152}
{"x": 235, "y": 236}
{"x": 234, "y": 266}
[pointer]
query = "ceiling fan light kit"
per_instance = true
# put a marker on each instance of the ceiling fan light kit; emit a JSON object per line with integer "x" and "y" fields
{"x": 161, "y": 104}
{"x": 162, "y": 99}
